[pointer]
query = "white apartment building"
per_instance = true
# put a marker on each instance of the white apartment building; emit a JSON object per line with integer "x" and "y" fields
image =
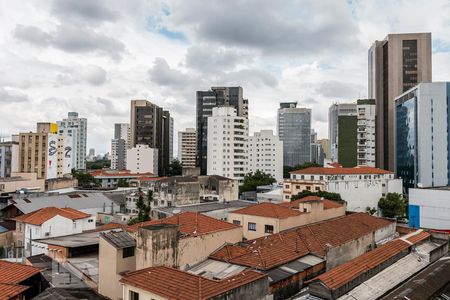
{"x": 336, "y": 111}
{"x": 80, "y": 124}
{"x": 366, "y": 132}
{"x": 265, "y": 154}
{"x": 142, "y": 159}
{"x": 187, "y": 147}
{"x": 119, "y": 145}
{"x": 227, "y": 144}
{"x": 360, "y": 186}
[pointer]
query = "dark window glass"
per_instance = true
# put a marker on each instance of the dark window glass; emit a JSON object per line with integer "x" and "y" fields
{"x": 128, "y": 252}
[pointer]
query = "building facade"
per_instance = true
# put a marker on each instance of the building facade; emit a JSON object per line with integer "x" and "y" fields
{"x": 265, "y": 154}
{"x": 206, "y": 101}
{"x": 187, "y": 147}
{"x": 396, "y": 64}
{"x": 9, "y": 158}
{"x": 325, "y": 144}
{"x": 421, "y": 135}
{"x": 151, "y": 125}
{"x": 119, "y": 145}
{"x": 142, "y": 159}
{"x": 294, "y": 130}
{"x": 366, "y": 132}
{"x": 227, "y": 144}
{"x": 342, "y": 122}
{"x": 77, "y": 127}
{"x": 317, "y": 154}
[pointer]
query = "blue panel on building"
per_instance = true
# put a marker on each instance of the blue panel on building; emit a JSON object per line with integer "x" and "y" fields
{"x": 414, "y": 216}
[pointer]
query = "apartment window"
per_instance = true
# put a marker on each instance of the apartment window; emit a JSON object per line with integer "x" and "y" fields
{"x": 268, "y": 228}
{"x": 317, "y": 188}
{"x": 308, "y": 188}
{"x": 236, "y": 222}
{"x": 134, "y": 295}
{"x": 251, "y": 226}
{"x": 128, "y": 252}
{"x": 286, "y": 186}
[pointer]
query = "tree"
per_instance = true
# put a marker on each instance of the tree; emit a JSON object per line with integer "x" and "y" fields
{"x": 371, "y": 210}
{"x": 251, "y": 181}
{"x": 175, "y": 168}
{"x": 288, "y": 169}
{"x": 143, "y": 207}
{"x": 322, "y": 194}
{"x": 84, "y": 179}
{"x": 123, "y": 183}
{"x": 393, "y": 205}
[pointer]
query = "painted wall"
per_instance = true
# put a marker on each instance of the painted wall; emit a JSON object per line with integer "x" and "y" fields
{"x": 433, "y": 208}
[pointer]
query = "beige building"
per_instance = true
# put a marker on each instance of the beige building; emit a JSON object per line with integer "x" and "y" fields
{"x": 19, "y": 181}
{"x": 187, "y": 147}
{"x": 325, "y": 146}
{"x": 268, "y": 218}
{"x": 33, "y": 153}
{"x": 396, "y": 64}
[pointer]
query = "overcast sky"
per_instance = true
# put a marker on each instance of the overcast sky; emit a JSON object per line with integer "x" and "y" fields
{"x": 94, "y": 56}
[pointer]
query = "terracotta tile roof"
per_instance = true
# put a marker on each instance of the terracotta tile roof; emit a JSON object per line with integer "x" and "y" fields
{"x": 418, "y": 237}
{"x": 39, "y": 216}
{"x": 268, "y": 252}
{"x": 269, "y": 210}
{"x": 9, "y": 291}
{"x": 176, "y": 284}
{"x": 343, "y": 274}
{"x": 327, "y": 204}
{"x": 190, "y": 224}
{"x": 341, "y": 171}
{"x": 14, "y": 273}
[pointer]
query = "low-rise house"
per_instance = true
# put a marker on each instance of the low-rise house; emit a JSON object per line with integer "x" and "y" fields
{"x": 376, "y": 272}
{"x": 18, "y": 281}
{"x": 360, "y": 187}
{"x": 268, "y": 218}
{"x": 111, "y": 178}
{"x": 168, "y": 283}
{"x": 295, "y": 255}
{"x": 50, "y": 222}
{"x": 21, "y": 181}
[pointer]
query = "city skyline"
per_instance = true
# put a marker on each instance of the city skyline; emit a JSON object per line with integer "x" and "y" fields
{"x": 53, "y": 59}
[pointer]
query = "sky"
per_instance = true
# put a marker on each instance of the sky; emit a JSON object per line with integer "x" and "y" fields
{"x": 93, "y": 57}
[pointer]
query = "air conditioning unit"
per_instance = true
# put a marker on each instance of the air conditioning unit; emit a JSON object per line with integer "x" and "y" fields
{"x": 47, "y": 234}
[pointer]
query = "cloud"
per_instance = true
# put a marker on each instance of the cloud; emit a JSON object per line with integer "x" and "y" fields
{"x": 212, "y": 58}
{"x": 164, "y": 75}
{"x": 91, "y": 74}
{"x": 12, "y": 97}
{"x": 337, "y": 89}
{"x": 84, "y": 10}
{"x": 73, "y": 39}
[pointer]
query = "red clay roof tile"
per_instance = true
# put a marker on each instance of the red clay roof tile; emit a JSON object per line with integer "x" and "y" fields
{"x": 327, "y": 204}
{"x": 269, "y": 210}
{"x": 39, "y": 216}
{"x": 10, "y": 291}
{"x": 14, "y": 273}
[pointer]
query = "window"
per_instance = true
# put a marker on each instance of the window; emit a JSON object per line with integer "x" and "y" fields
{"x": 317, "y": 188}
{"x": 128, "y": 252}
{"x": 134, "y": 295}
{"x": 268, "y": 228}
{"x": 251, "y": 226}
{"x": 90, "y": 220}
{"x": 236, "y": 222}
{"x": 308, "y": 188}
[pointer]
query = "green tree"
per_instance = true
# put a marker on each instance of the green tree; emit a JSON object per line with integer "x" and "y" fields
{"x": 175, "y": 168}
{"x": 288, "y": 169}
{"x": 84, "y": 179}
{"x": 393, "y": 205}
{"x": 251, "y": 181}
{"x": 371, "y": 210}
{"x": 324, "y": 194}
{"x": 123, "y": 183}
{"x": 143, "y": 207}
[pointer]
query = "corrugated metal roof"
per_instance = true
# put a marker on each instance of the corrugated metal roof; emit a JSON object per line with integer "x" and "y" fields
{"x": 311, "y": 260}
{"x": 216, "y": 269}
{"x": 119, "y": 239}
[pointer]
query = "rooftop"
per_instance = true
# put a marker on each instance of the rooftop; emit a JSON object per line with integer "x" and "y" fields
{"x": 190, "y": 224}
{"x": 270, "y": 251}
{"x": 268, "y": 210}
{"x": 119, "y": 239}
{"x": 341, "y": 171}
{"x": 14, "y": 273}
{"x": 114, "y": 173}
{"x": 176, "y": 284}
{"x": 205, "y": 207}
{"x": 10, "y": 291}
{"x": 44, "y": 214}
{"x": 327, "y": 204}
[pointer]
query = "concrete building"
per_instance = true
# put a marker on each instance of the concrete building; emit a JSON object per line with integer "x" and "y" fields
{"x": 325, "y": 147}
{"x": 187, "y": 147}
{"x": 294, "y": 130}
{"x": 396, "y": 64}
{"x": 366, "y": 132}
{"x": 50, "y": 222}
{"x": 429, "y": 208}
{"x": 360, "y": 187}
{"x": 227, "y": 143}
{"x": 9, "y": 158}
{"x": 317, "y": 155}
{"x": 206, "y": 101}
{"x": 22, "y": 181}
{"x": 110, "y": 178}
{"x": 422, "y": 146}
{"x": 152, "y": 126}
{"x": 77, "y": 127}
{"x": 142, "y": 159}
{"x": 265, "y": 154}
{"x": 169, "y": 283}
{"x": 119, "y": 145}
{"x": 266, "y": 218}
{"x": 342, "y": 125}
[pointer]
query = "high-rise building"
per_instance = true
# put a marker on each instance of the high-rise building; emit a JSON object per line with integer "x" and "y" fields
{"x": 77, "y": 128}
{"x": 294, "y": 130}
{"x": 317, "y": 155}
{"x": 206, "y": 101}
{"x": 366, "y": 132}
{"x": 187, "y": 147}
{"x": 119, "y": 145}
{"x": 142, "y": 159}
{"x": 9, "y": 158}
{"x": 396, "y": 64}
{"x": 422, "y": 140}
{"x": 344, "y": 115}
{"x": 265, "y": 154}
{"x": 227, "y": 143}
{"x": 324, "y": 143}
{"x": 150, "y": 125}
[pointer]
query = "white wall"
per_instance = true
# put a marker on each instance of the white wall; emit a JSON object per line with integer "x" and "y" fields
{"x": 265, "y": 153}
{"x": 434, "y": 207}
{"x": 142, "y": 159}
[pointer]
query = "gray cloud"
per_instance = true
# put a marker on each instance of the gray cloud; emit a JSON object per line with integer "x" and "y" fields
{"x": 84, "y": 10}
{"x": 164, "y": 75}
{"x": 7, "y": 97}
{"x": 93, "y": 75}
{"x": 75, "y": 39}
{"x": 253, "y": 77}
{"x": 210, "y": 58}
{"x": 337, "y": 89}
